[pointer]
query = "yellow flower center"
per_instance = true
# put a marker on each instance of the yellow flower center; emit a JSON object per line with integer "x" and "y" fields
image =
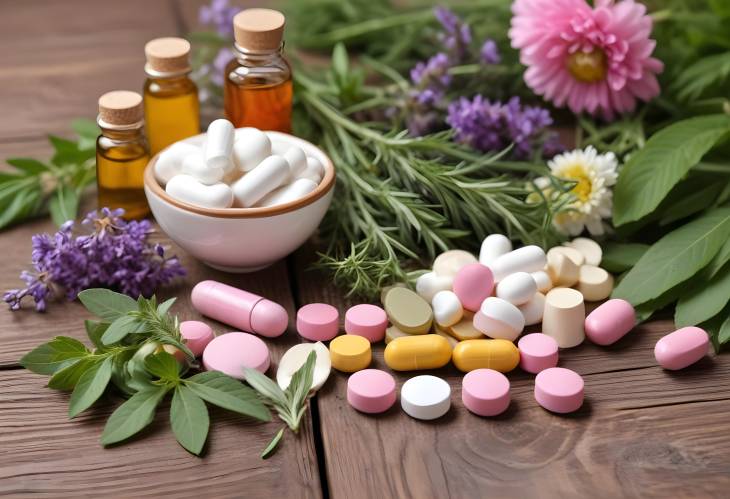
{"x": 583, "y": 188}
{"x": 588, "y": 67}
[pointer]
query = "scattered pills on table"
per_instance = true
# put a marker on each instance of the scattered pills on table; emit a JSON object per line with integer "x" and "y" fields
{"x": 294, "y": 358}
{"x": 188, "y": 189}
{"x": 229, "y": 353}
{"x": 425, "y": 397}
{"x": 564, "y": 317}
{"x": 500, "y": 355}
{"x": 533, "y": 310}
{"x": 590, "y": 249}
{"x": 411, "y": 353}
{"x": 559, "y": 390}
{"x": 386, "y": 289}
{"x": 169, "y": 162}
{"x": 494, "y": 246}
{"x": 542, "y": 280}
{"x": 219, "y": 144}
{"x": 392, "y": 332}
{"x": 194, "y": 165}
{"x": 498, "y": 318}
{"x": 271, "y": 173}
{"x": 473, "y": 283}
{"x": 594, "y": 283}
{"x": 526, "y": 259}
{"x": 447, "y": 309}
{"x": 196, "y": 336}
{"x": 318, "y": 322}
{"x": 368, "y": 321}
{"x": 537, "y": 352}
{"x": 350, "y": 353}
{"x": 450, "y": 262}
{"x": 428, "y": 284}
{"x": 562, "y": 270}
{"x": 371, "y": 391}
{"x": 464, "y": 329}
{"x": 573, "y": 254}
{"x": 251, "y": 147}
{"x": 407, "y": 310}
{"x": 517, "y": 288}
{"x": 288, "y": 193}
{"x": 485, "y": 392}
{"x": 610, "y": 322}
{"x": 682, "y": 348}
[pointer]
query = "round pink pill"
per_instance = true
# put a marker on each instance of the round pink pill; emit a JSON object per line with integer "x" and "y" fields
{"x": 196, "y": 336}
{"x": 371, "y": 391}
{"x": 318, "y": 322}
{"x": 559, "y": 390}
{"x": 368, "y": 321}
{"x": 485, "y": 392}
{"x": 229, "y": 353}
{"x": 537, "y": 352}
{"x": 473, "y": 283}
{"x": 610, "y": 322}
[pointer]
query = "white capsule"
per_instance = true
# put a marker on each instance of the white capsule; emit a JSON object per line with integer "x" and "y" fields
{"x": 267, "y": 176}
{"x": 428, "y": 284}
{"x": 525, "y": 259}
{"x": 493, "y": 247}
{"x": 447, "y": 309}
{"x": 252, "y": 146}
{"x": 288, "y": 193}
{"x": 498, "y": 318}
{"x": 591, "y": 250}
{"x": 188, "y": 189}
{"x": 297, "y": 160}
{"x": 314, "y": 170}
{"x": 532, "y": 310}
{"x": 219, "y": 145}
{"x": 169, "y": 162}
{"x": 543, "y": 281}
{"x": 517, "y": 288}
{"x": 194, "y": 165}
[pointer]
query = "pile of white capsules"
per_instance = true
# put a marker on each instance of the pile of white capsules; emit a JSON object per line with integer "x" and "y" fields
{"x": 240, "y": 168}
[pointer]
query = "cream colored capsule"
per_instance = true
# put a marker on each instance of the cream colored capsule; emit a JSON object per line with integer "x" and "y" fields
{"x": 591, "y": 250}
{"x": 450, "y": 262}
{"x": 561, "y": 269}
{"x": 411, "y": 353}
{"x": 500, "y": 355}
{"x": 594, "y": 283}
{"x": 576, "y": 256}
{"x": 447, "y": 309}
{"x": 428, "y": 284}
{"x": 532, "y": 310}
{"x": 543, "y": 281}
{"x": 564, "y": 316}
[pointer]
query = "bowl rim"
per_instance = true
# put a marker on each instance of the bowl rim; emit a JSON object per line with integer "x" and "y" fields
{"x": 325, "y": 185}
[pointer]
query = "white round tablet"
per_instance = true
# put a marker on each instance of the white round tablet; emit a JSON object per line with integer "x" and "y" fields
{"x": 425, "y": 397}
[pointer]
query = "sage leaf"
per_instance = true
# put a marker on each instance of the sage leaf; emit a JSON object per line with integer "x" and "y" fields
{"x": 675, "y": 257}
{"x": 619, "y": 257}
{"x": 666, "y": 158}
{"x": 189, "y": 419}
{"x": 163, "y": 365}
{"x": 54, "y": 355}
{"x": 28, "y": 165}
{"x": 707, "y": 300}
{"x": 220, "y": 389}
{"x": 121, "y": 327}
{"x": 95, "y": 330}
{"x": 301, "y": 383}
{"x": 133, "y": 415}
{"x": 691, "y": 204}
{"x": 63, "y": 205}
{"x": 164, "y": 307}
{"x": 265, "y": 386}
{"x": 273, "y": 445}
{"x": 724, "y": 334}
{"x": 107, "y": 304}
{"x": 68, "y": 377}
{"x": 90, "y": 386}
{"x": 722, "y": 257}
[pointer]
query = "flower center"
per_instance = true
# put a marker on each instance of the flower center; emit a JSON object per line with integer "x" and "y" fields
{"x": 588, "y": 67}
{"x": 583, "y": 188}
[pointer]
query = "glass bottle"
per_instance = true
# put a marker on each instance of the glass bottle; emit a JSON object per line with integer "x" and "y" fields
{"x": 122, "y": 153}
{"x": 171, "y": 107}
{"x": 258, "y": 81}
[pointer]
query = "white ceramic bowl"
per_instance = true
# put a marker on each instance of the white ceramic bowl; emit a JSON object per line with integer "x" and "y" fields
{"x": 242, "y": 239}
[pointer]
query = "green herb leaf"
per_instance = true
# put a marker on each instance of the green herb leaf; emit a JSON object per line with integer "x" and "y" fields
{"x": 222, "y": 390}
{"x": 95, "y": 330}
{"x": 273, "y": 445}
{"x": 724, "y": 334}
{"x": 28, "y": 165}
{"x": 706, "y": 299}
{"x": 667, "y": 156}
{"x": 619, "y": 257}
{"x": 722, "y": 257}
{"x": 189, "y": 419}
{"x": 121, "y": 327}
{"x": 50, "y": 357}
{"x": 675, "y": 257}
{"x": 90, "y": 386}
{"x": 690, "y": 204}
{"x": 163, "y": 365}
{"x": 63, "y": 205}
{"x": 85, "y": 128}
{"x": 265, "y": 386}
{"x": 68, "y": 377}
{"x": 133, "y": 415}
{"x": 107, "y": 304}
{"x": 301, "y": 383}
{"x": 164, "y": 307}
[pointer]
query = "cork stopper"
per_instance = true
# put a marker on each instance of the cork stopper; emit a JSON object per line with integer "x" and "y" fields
{"x": 167, "y": 55}
{"x": 259, "y": 30}
{"x": 121, "y": 108}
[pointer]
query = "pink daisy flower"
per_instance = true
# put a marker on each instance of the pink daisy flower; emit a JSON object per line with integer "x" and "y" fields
{"x": 594, "y": 59}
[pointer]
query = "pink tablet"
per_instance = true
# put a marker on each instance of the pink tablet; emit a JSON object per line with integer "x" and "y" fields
{"x": 231, "y": 352}
{"x": 537, "y": 352}
{"x": 485, "y": 392}
{"x": 681, "y": 348}
{"x": 473, "y": 284}
{"x": 318, "y": 322}
{"x": 559, "y": 390}
{"x": 196, "y": 336}
{"x": 371, "y": 391}
{"x": 366, "y": 320}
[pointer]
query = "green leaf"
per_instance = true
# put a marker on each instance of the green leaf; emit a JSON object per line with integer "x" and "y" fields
{"x": 675, "y": 257}
{"x": 340, "y": 62}
{"x": 724, "y": 335}
{"x": 222, "y": 390}
{"x": 273, "y": 445}
{"x": 301, "y": 383}
{"x": 68, "y": 377}
{"x": 705, "y": 300}
{"x": 68, "y": 152}
{"x": 691, "y": 204}
{"x": 265, "y": 386}
{"x": 58, "y": 353}
{"x": 133, "y": 415}
{"x": 85, "y": 128}
{"x": 189, "y": 419}
{"x": 90, "y": 386}
{"x": 63, "y": 205}
{"x": 722, "y": 257}
{"x": 164, "y": 307}
{"x": 28, "y": 165}
{"x": 163, "y": 365}
{"x": 107, "y": 304}
{"x": 667, "y": 156}
{"x": 121, "y": 327}
{"x": 618, "y": 257}
{"x": 702, "y": 74}
{"x": 95, "y": 330}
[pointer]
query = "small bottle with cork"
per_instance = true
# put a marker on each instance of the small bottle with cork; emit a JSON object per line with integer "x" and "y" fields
{"x": 171, "y": 107}
{"x": 258, "y": 81}
{"x": 122, "y": 153}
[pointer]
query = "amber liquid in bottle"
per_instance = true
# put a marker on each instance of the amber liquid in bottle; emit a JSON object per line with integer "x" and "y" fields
{"x": 171, "y": 110}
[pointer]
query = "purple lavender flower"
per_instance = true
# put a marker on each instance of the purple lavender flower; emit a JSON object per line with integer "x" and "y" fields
{"x": 431, "y": 79}
{"x": 489, "y": 53}
{"x": 220, "y": 15}
{"x": 219, "y": 66}
{"x": 457, "y": 34}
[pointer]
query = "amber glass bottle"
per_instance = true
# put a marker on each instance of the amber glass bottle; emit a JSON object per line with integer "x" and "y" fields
{"x": 171, "y": 107}
{"x": 122, "y": 153}
{"x": 258, "y": 84}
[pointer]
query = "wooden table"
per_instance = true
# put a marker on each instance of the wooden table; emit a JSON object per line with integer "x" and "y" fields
{"x": 641, "y": 432}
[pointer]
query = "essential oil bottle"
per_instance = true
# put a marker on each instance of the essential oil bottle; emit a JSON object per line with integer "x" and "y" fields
{"x": 122, "y": 153}
{"x": 258, "y": 81}
{"x": 171, "y": 107}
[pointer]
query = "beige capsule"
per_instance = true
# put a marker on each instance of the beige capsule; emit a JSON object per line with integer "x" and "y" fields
{"x": 594, "y": 283}
{"x": 564, "y": 316}
{"x": 562, "y": 270}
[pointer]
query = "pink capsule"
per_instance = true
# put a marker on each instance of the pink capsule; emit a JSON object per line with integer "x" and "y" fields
{"x": 610, "y": 322}
{"x": 681, "y": 348}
